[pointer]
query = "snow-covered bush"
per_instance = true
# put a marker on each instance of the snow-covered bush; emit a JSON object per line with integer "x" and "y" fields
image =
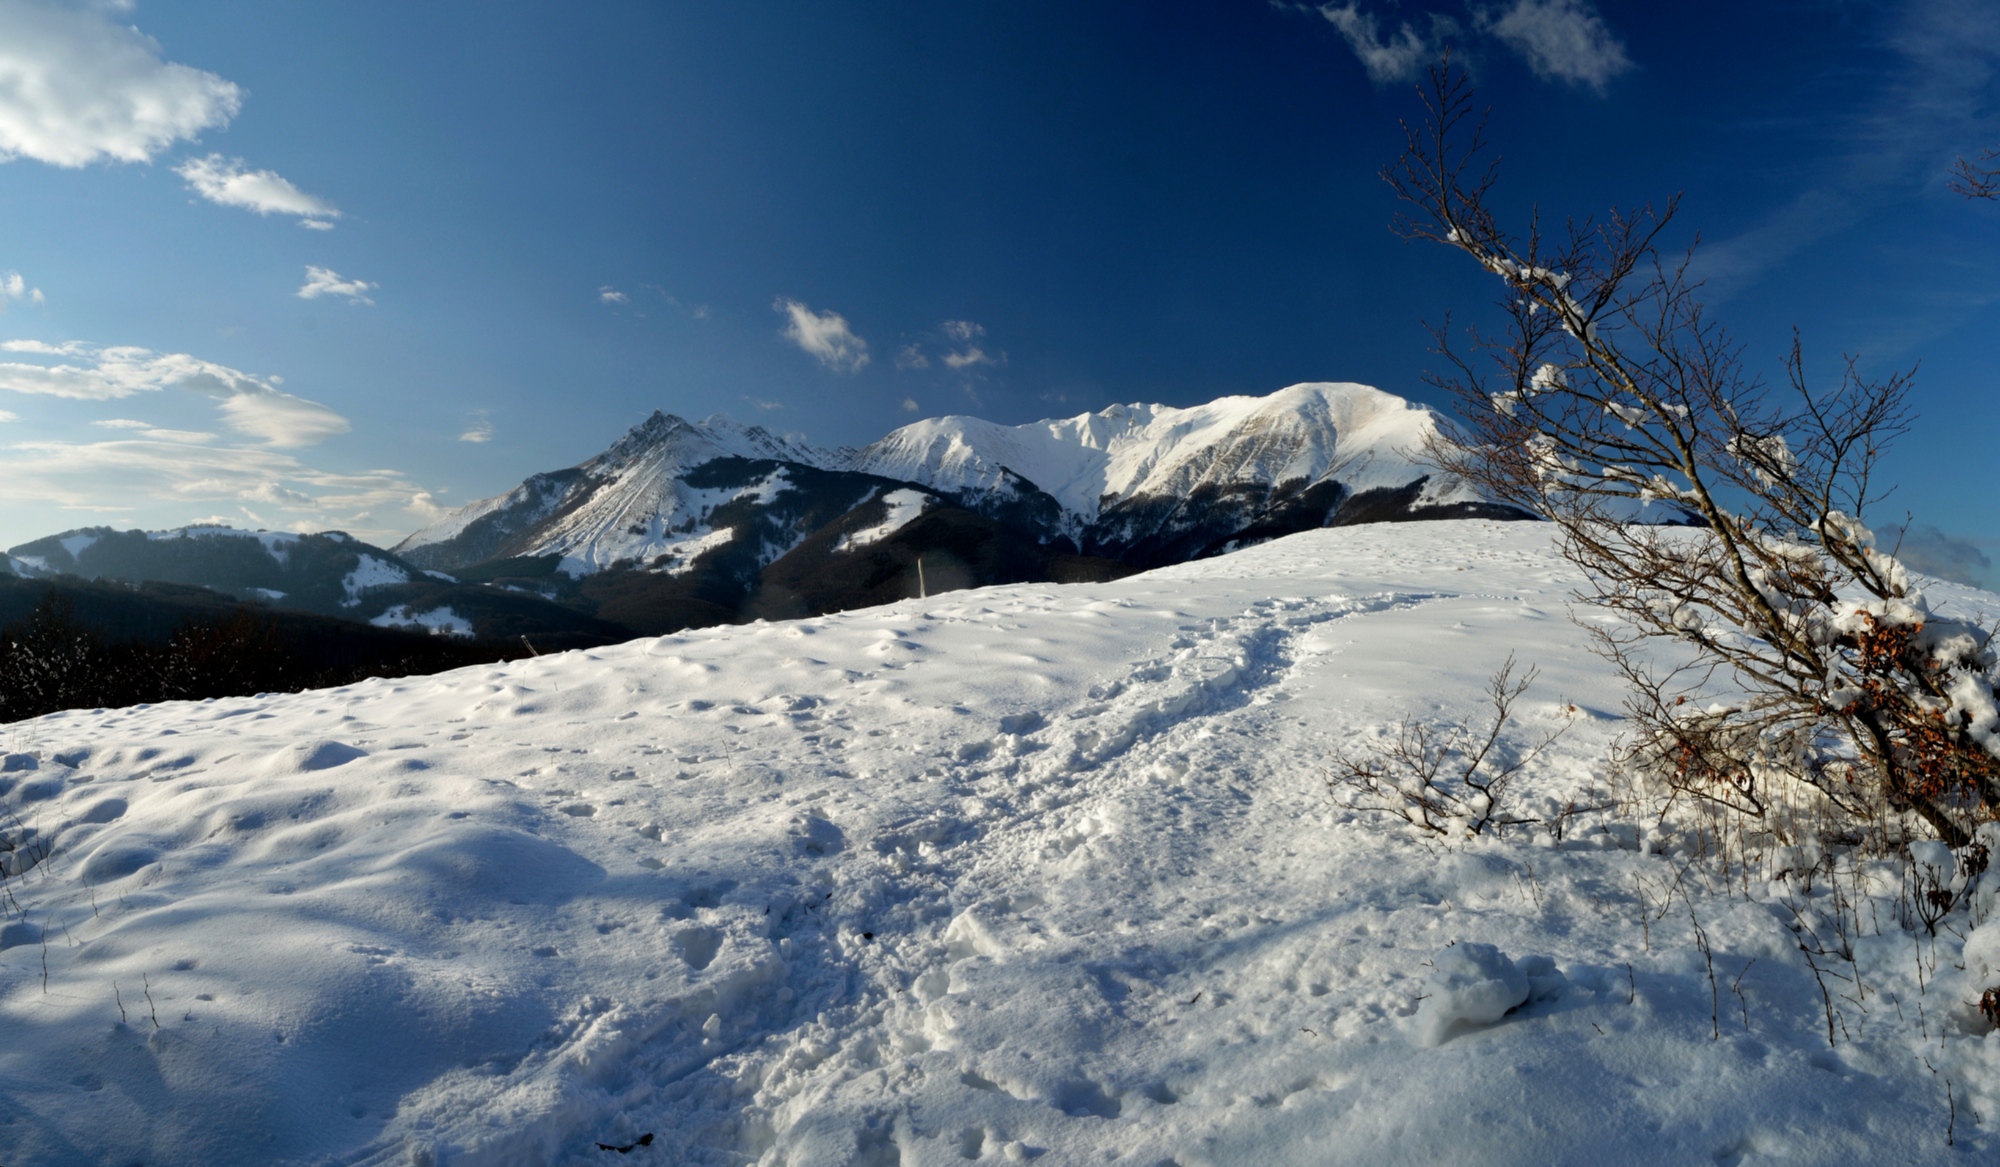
{"x": 1713, "y": 516}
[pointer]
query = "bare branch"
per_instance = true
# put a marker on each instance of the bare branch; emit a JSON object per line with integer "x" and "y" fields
{"x": 1975, "y": 180}
{"x": 1719, "y": 519}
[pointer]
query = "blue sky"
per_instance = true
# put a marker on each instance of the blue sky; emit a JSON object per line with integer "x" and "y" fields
{"x": 343, "y": 263}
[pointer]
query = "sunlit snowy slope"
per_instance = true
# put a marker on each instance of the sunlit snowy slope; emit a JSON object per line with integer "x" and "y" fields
{"x": 1019, "y": 873}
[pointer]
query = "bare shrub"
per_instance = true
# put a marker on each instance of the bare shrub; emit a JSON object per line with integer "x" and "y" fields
{"x": 1448, "y": 780}
{"x": 1718, "y": 517}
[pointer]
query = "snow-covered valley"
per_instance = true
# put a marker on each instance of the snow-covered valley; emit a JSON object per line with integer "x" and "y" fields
{"x": 1016, "y": 873}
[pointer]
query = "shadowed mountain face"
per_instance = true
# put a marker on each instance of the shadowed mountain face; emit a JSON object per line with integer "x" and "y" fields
{"x": 684, "y": 524}
{"x": 326, "y": 574}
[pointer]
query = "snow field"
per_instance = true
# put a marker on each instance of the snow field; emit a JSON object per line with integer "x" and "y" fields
{"x": 439, "y": 621}
{"x": 904, "y": 506}
{"x": 1020, "y": 873}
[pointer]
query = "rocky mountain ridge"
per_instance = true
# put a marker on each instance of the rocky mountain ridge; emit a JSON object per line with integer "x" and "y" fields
{"x": 1141, "y": 484}
{"x": 683, "y": 523}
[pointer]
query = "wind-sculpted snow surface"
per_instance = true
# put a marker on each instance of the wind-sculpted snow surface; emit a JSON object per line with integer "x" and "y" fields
{"x": 1018, "y": 873}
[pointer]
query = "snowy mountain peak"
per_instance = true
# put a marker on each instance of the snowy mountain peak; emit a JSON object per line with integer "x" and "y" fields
{"x": 669, "y": 437}
{"x": 631, "y": 504}
{"x": 1302, "y": 434}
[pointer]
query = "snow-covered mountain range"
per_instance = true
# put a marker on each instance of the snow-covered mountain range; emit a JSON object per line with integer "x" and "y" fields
{"x": 682, "y": 524}
{"x": 1141, "y": 484}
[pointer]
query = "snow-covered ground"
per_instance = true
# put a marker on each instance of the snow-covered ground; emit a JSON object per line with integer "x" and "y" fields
{"x": 904, "y": 506}
{"x": 1023, "y": 873}
{"x": 441, "y": 621}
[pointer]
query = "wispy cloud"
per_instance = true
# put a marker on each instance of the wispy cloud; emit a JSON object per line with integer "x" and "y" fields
{"x": 1562, "y": 40}
{"x": 226, "y": 182}
{"x": 85, "y": 372}
{"x": 161, "y": 469}
{"x": 910, "y": 405}
{"x": 152, "y": 431}
{"x": 1930, "y": 104}
{"x": 761, "y": 405}
{"x": 77, "y": 87}
{"x": 478, "y": 428}
{"x": 611, "y": 295}
{"x": 1401, "y": 54}
{"x": 956, "y": 338}
{"x": 5, "y": 417}
{"x": 1925, "y": 548}
{"x": 321, "y": 281}
{"x": 824, "y": 335}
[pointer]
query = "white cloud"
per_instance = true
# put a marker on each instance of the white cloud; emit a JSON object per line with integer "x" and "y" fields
{"x": 14, "y": 287}
{"x": 760, "y": 404}
{"x": 161, "y": 474}
{"x": 224, "y": 181}
{"x": 123, "y": 423}
{"x": 963, "y": 332}
{"x": 910, "y": 405}
{"x": 1562, "y": 40}
{"x": 956, "y": 332}
{"x": 250, "y": 404}
{"x": 192, "y": 437}
{"x": 77, "y": 87}
{"x": 1402, "y": 55}
{"x": 280, "y": 418}
{"x": 824, "y": 335}
{"x": 611, "y": 295}
{"x": 425, "y": 505}
{"x": 322, "y": 281}
{"x": 477, "y": 428}
{"x": 5, "y": 416}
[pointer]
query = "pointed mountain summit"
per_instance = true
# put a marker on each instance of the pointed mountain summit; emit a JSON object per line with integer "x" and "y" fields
{"x": 630, "y": 504}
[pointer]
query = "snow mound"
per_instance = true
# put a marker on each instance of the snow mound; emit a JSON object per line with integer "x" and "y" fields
{"x": 1473, "y": 984}
{"x": 305, "y": 757}
{"x": 1982, "y": 956}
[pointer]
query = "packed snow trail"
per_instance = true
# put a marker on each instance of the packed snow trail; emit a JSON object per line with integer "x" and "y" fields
{"x": 1003, "y": 874}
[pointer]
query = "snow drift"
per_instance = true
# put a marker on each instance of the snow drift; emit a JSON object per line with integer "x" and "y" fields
{"x": 1015, "y": 873}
